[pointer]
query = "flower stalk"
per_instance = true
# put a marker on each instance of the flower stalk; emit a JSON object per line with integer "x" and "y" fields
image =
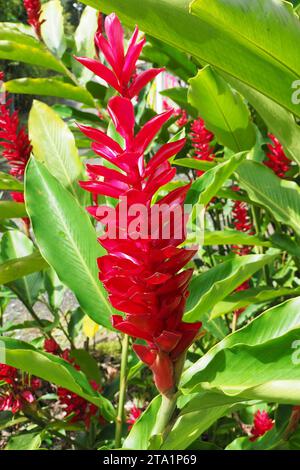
{"x": 122, "y": 392}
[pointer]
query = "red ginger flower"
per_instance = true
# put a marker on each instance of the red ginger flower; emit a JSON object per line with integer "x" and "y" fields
{"x": 202, "y": 142}
{"x": 277, "y": 160}
{"x": 122, "y": 75}
{"x": 261, "y": 424}
{"x": 142, "y": 276}
{"x": 33, "y": 10}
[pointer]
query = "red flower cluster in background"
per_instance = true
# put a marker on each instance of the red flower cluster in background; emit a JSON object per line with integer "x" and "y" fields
{"x": 15, "y": 143}
{"x": 241, "y": 222}
{"x": 261, "y": 424}
{"x": 33, "y": 10}
{"x": 202, "y": 142}
{"x": 75, "y": 407}
{"x": 133, "y": 416}
{"x": 277, "y": 160}
{"x": 143, "y": 277}
{"x": 16, "y": 391}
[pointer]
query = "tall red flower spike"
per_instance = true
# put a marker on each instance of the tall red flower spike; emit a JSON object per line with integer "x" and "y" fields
{"x": 33, "y": 10}
{"x": 122, "y": 74}
{"x": 143, "y": 276}
{"x": 202, "y": 142}
{"x": 261, "y": 424}
{"x": 277, "y": 160}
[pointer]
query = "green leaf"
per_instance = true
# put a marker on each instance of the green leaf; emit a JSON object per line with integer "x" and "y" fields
{"x": 273, "y": 324}
{"x": 24, "y": 441}
{"x": 251, "y": 40}
{"x": 54, "y": 144}
{"x": 52, "y": 29}
{"x": 223, "y": 110}
{"x": 54, "y": 288}
{"x": 279, "y": 196}
{"x": 15, "y": 245}
{"x": 64, "y": 232}
{"x": 207, "y": 186}
{"x": 232, "y": 237}
{"x": 11, "y": 209}
{"x": 55, "y": 370}
{"x": 139, "y": 436}
{"x": 214, "y": 285}
{"x": 180, "y": 96}
{"x": 87, "y": 364}
{"x": 190, "y": 426}
{"x": 84, "y": 41}
{"x": 9, "y": 183}
{"x": 17, "y": 46}
{"x": 252, "y": 296}
{"x": 49, "y": 87}
{"x": 14, "y": 269}
{"x": 193, "y": 164}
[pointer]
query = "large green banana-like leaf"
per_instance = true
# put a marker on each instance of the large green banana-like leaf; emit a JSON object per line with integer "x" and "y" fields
{"x": 280, "y": 197}
{"x": 269, "y": 371}
{"x": 67, "y": 239}
{"x": 14, "y": 247}
{"x": 54, "y": 144}
{"x": 55, "y": 370}
{"x": 273, "y": 324}
{"x": 52, "y": 29}
{"x": 223, "y": 110}
{"x": 251, "y": 40}
{"x": 212, "y": 286}
{"x": 49, "y": 87}
{"x": 19, "y": 46}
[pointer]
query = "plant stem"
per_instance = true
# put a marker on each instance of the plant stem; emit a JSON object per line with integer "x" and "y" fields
{"x": 167, "y": 407}
{"x": 122, "y": 392}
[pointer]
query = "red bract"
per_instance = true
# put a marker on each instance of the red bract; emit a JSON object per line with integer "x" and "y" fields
{"x": 33, "y": 10}
{"x": 122, "y": 74}
{"x": 142, "y": 275}
{"x": 202, "y": 142}
{"x": 277, "y": 160}
{"x": 261, "y": 424}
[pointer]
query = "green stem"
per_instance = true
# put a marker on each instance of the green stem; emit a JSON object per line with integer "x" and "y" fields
{"x": 167, "y": 408}
{"x": 259, "y": 249}
{"x": 122, "y": 392}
